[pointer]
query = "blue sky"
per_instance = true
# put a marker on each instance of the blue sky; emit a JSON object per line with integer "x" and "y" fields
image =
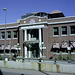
{"x": 16, "y": 8}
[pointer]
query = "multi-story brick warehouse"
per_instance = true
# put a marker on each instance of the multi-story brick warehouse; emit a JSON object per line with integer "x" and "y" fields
{"x": 39, "y": 35}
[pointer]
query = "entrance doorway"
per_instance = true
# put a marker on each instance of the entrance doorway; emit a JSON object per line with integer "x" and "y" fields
{"x": 35, "y": 50}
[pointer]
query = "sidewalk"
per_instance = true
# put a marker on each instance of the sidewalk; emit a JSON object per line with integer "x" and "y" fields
{"x": 28, "y": 72}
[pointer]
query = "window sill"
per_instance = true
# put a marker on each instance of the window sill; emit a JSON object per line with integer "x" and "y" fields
{"x": 55, "y": 35}
{"x": 72, "y": 52}
{"x": 8, "y": 38}
{"x": 2, "y": 39}
{"x": 72, "y": 34}
{"x": 15, "y": 38}
{"x": 64, "y": 53}
{"x": 59, "y": 53}
{"x": 64, "y": 35}
{"x": 56, "y": 53}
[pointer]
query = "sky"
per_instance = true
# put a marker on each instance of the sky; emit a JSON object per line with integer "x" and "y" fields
{"x": 16, "y": 8}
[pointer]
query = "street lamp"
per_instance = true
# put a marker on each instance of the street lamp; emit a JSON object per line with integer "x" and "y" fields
{"x": 5, "y": 31}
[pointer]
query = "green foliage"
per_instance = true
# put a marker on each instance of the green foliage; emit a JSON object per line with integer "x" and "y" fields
{"x": 69, "y": 57}
{"x": 60, "y": 57}
{"x": 1, "y": 59}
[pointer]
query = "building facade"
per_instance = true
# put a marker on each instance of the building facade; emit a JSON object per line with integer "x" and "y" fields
{"x": 39, "y": 35}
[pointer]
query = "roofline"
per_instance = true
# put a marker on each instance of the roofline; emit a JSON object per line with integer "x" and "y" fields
{"x": 8, "y": 27}
{"x": 61, "y": 22}
{"x": 34, "y": 13}
{"x": 9, "y": 23}
{"x": 33, "y": 16}
{"x": 61, "y": 18}
{"x": 47, "y": 18}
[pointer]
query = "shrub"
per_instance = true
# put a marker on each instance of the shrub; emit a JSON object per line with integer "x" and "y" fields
{"x": 69, "y": 57}
{"x": 60, "y": 57}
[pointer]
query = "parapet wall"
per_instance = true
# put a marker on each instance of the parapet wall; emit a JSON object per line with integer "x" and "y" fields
{"x": 42, "y": 66}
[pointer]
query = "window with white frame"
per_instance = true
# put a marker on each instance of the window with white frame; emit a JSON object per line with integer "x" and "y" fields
{"x": 14, "y": 34}
{"x": 64, "y": 30}
{"x": 8, "y": 34}
{"x": 2, "y": 35}
{"x": 55, "y": 31}
{"x": 72, "y": 29}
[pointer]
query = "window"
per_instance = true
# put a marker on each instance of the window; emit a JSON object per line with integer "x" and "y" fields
{"x": 15, "y": 34}
{"x": 8, "y": 34}
{"x": 55, "y": 31}
{"x": 2, "y": 35}
{"x": 32, "y": 21}
{"x": 72, "y": 29}
{"x": 64, "y": 30}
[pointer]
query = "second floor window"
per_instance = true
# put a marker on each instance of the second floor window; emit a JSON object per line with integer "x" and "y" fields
{"x": 64, "y": 30}
{"x": 2, "y": 35}
{"x": 8, "y": 34}
{"x": 55, "y": 31}
{"x": 72, "y": 29}
{"x": 15, "y": 34}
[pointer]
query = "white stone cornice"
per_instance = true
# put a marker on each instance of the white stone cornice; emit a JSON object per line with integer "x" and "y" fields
{"x": 9, "y": 27}
{"x": 33, "y": 27}
{"x": 39, "y": 23}
{"x": 32, "y": 24}
{"x": 71, "y": 21}
{"x": 8, "y": 24}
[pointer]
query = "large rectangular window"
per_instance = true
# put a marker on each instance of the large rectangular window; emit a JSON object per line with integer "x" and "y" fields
{"x": 55, "y": 31}
{"x": 14, "y": 34}
{"x": 2, "y": 35}
{"x": 8, "y": 34}
{"x": 72, "y": 29}
{"x": 64, "y": 30}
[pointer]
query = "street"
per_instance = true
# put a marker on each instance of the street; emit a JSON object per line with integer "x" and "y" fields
{"x": 6, "y": 71}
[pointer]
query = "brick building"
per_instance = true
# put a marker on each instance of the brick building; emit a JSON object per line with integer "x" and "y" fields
{"x": 39, "y": 34}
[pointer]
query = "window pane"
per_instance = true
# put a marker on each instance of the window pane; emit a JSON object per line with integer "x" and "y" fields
{"x": 56, "y": 32}
{"x": 15, "y": 34}
{"x": 2, "y": 35}
{"x": 64, "y": 30}
{"x": 72, "y": 29}
{"x": 9, "y": 34}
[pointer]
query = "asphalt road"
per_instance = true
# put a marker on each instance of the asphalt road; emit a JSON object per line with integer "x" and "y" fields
{"x": 6, "y": 71}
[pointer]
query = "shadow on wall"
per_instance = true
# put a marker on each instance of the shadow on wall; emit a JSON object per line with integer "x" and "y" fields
{"x": 1, "y": 72}
{"x": 52, "y": 56}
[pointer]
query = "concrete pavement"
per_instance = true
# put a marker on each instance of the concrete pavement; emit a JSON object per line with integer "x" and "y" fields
{"x": 6, "y": 71}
